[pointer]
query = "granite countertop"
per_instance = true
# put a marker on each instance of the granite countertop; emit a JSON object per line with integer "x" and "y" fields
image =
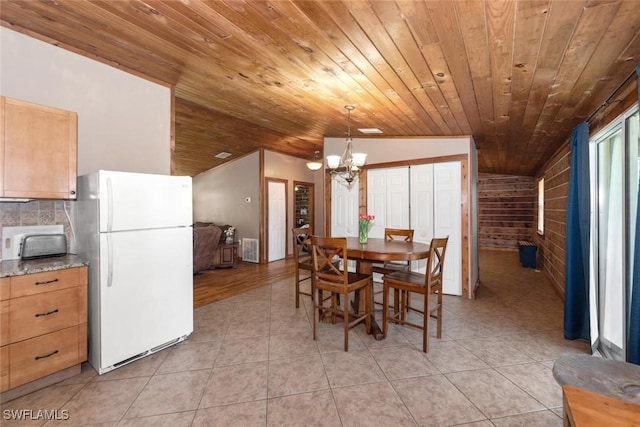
{"x": 18, "y": 267}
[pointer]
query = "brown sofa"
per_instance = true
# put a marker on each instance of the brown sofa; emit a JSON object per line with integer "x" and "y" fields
{"x": 205, "y": 242}
{"x": 206, "y": 238}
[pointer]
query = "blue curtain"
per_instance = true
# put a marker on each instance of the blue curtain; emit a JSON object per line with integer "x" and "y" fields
{"x": 633, "y": 337}
{"x": 576, "y": 299}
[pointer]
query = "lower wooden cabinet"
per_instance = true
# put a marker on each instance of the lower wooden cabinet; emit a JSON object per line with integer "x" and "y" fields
{"x": 44, "y": 325}
{"x": 34, "y": 358}
{"x": 4, "y": 368}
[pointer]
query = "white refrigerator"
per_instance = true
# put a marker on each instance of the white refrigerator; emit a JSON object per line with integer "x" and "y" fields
{"x": 136, "y": 232}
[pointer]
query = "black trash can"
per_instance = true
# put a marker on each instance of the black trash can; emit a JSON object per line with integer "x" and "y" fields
{"x": 527, "y": 254}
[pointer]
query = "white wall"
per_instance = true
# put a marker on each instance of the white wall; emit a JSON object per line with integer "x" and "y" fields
{"x": 384, "y": 150}
{"x": 219, "y": 195}
{"x": 124, "y": 121}
{"x": 281, "y": 166}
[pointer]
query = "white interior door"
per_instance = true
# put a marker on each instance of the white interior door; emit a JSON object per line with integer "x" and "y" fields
{"x": 377, "y": 200}
{"x": 344, "y": 209}
{"x": 277, "y": 208}
{"x": 421, "y": 207}
{"x": 388, "y": 199}
{"x": 447, "y": 211}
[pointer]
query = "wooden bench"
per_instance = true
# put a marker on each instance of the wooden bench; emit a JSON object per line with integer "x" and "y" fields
{"x": 596, "y": 389}
{"x": 583, "y": 408}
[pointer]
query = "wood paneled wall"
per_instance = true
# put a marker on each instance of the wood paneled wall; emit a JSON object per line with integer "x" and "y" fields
{"x": 507, "y": 210}
{"x": 551, "y": 245}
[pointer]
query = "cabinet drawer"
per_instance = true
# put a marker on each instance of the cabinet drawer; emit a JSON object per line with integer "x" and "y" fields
{"x": 31, "y": 284}
{"x": 83, "y": 349}
{"x": 4, "y": 322}
{"x": 34, "y": 358}
{"x": 4, "y": 368}
{"x": 37, "y": 315}
{"x": 5, "y": 289}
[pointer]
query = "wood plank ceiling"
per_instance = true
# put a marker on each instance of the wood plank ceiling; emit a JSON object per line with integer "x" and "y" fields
{"x": 518, "y": 75}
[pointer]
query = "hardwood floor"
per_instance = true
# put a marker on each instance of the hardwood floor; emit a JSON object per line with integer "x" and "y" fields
{"x": 214, "y": 285}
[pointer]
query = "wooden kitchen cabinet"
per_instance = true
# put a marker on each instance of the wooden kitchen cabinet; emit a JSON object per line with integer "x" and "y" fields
{"x": 5, "y": 294}
{"x": 39, "y": 147}
{"x": 44, "y": 325}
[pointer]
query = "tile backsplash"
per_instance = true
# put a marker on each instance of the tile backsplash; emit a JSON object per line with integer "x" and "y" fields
{"x": 37, "y": 212}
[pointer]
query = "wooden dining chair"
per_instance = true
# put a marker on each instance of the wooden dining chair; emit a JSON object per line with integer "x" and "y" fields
{"x": 302, "y": 259}
{"x": 428, "y": 284}
{"x": 403, "y": 234}
{"x": 329, "y": 277}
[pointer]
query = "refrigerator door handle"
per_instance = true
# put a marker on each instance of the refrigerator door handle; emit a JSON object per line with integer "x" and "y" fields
{"x": 109, "y": 261}
{"x": 109, "y": 205}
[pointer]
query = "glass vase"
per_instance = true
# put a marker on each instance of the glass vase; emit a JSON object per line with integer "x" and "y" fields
{"x": 363, "y": 234}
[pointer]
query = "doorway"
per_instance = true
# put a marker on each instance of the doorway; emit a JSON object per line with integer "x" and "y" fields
{"x": 276, "y": 219}
{"x": 615, "y": 164}
{"x": 303, "y": 204}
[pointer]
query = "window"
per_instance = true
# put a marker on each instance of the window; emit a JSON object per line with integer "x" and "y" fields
{"x": 541, "y": 206}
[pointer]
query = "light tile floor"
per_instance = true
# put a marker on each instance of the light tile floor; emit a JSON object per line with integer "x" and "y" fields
{"x": 252, "y": 362}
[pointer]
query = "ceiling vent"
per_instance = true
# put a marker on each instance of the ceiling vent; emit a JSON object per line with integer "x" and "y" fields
{"x": 222, "y": 155}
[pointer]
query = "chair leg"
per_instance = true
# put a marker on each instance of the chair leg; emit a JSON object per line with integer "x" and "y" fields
{"x": 316, "y": 312}
{"x": 356, "y": 301}
{"x": 335, "y": 301}
{"x": 297, "y": 275}
{"x": 369, "y": 305}
{"x": 439, "y": 320}
{"x": 425, "y": 325}
{"x": 346, "y": 323}
{"x": 396, "y": 302}
{"x": 385, "y": 309}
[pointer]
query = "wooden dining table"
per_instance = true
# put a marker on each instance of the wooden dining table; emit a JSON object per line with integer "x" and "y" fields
{"x": 382, "y": 250}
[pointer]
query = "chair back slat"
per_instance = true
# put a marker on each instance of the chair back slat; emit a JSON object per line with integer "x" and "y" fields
{"x": 325, "y": 252}
{"x": 301, "y": 241}
{"x": 398, "y": 234}
{"x": 435, "y": 263}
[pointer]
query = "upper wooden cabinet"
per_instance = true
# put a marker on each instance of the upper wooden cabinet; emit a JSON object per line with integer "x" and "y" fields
{"x": 39, "y": 151}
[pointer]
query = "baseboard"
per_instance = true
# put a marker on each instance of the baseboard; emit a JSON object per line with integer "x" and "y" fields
{"x": 43, "y": 382}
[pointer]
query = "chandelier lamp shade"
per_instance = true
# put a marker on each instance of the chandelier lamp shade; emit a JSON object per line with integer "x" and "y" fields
{"x": 349, "y": 165}
{"x": 316, "y": 163}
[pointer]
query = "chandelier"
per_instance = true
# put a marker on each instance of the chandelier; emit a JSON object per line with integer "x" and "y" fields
{"x": 316, "y": 163}
{"x": 349, "y": 165}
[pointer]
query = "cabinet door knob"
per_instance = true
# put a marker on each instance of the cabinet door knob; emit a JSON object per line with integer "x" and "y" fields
{"x": 72, "y": 192}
